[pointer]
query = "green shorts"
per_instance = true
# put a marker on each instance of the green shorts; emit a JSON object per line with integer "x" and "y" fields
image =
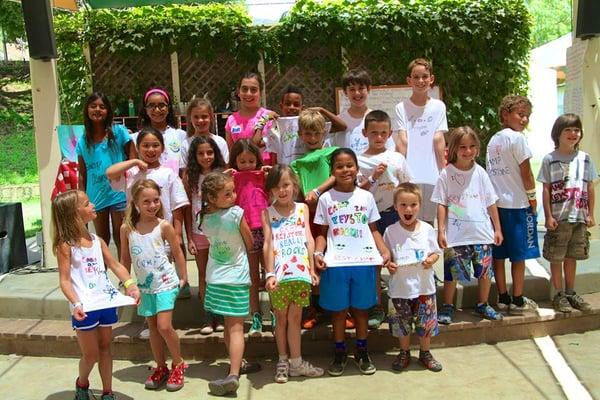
{"x": 153, "y": 303}
{"x": 296, "y": 292}
{"x": 568, "y": 240}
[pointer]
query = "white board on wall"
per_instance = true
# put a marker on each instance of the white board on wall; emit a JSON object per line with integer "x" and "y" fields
{"x": 382, "y": 97}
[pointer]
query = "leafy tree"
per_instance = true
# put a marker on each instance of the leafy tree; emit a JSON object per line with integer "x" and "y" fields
{"x": 11, "y": 21}
{"x": 551, "y": 20}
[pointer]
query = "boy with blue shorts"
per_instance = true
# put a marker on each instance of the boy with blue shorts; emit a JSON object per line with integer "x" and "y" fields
{"x": 510, "y": 172}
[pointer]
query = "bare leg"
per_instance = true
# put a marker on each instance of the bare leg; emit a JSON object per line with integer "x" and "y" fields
{"x": 165, "y": 328}
{"x": 518, "y": 277}
{"x": 253, "y": 260}
{"x": 361, "y": 319}
{"x": 294, "y": 318}
{"x": 405, "y": 343}
{"x": 424, "y": 343}
{"x": 88, "y": 344}
{"x": 234, "y": 327}
{"x": 201, "y": 261}
{"x": 570, "y": 271}
{"x": 102, "y": 225}
{"x": 281, "y": 331}
{"x": 484, "y": 289}
{"x": 556, "y": 275}
{"x": 338, "y": 319}
{"x": 156, "y": 342}
{"x": 449, "y": 289}
{"x": 105, "y": 364}
{"x": 378, "y": 285}
{"x": 500, "y": 275}
{"x": 116, "y": 218}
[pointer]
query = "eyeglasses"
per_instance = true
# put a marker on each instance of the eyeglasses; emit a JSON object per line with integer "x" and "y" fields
{"x": 159, "y": 106}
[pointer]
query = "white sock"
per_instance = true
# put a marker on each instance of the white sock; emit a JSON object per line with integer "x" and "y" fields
{"x": 295, "y": 362}
{"x": 283, "y": 357}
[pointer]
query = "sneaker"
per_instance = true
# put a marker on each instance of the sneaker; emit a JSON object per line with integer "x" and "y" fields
{"x": 336, "y": 368}
{"x": 309, "y": 320}
{"x": 158, "y": 378}
{"x": 108, "y": 396}
{"x": 184, "y": 292}
{"x": 249, "y": 367}
{"x": 376, "y": 317}
{"x": 528, "y": 305}
{"x": 207, "y": 326}
{"x": 306, "y": 369}
{"x": 578, "y": 303}
{"x": 81, "y": 393}
{"x": 446, "y": 313}
{"x": 504, "y": 302}
{"x": 349, "y": 322}
{"x": 364, "y": 363}
{"x": 429, "y": 362}
{"x": 219, "y": 323}
{"x": 175, "y": 381}
{"x": 256, "y": 328}
{"x": 282, "y": 371}
{"x": 402, "y": 360}
{"x": 488, "y": 312}
{"x": 561, "y": 303}
{"x": 224, "y": 386}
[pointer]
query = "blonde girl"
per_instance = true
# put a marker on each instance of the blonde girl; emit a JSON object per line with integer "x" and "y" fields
{"x": 288, "y": 253}
{"x": 204, "y": 157}
{"x": 144, "y": 235}
{"x": 468, "y": 222}
{"x": 227, "y": 271}
{"x": 82, "y": 259}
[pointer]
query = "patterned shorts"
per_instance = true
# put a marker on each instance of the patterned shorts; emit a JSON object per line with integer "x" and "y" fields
{"x": 296, "y": 292}
{"x": 419, "y": 312}
{"x": 461, "y": 261}
{"x": 258, "y": 239}
{"x": 227, "y": 300}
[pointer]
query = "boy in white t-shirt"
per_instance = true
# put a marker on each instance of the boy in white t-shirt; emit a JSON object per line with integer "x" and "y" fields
{"x": 380, "y": 172}
{"x": 510, "y": 172}
{"x": 414, "y": 249}
{"x": 420, "y": 125}
{"x": 357, "y": 85}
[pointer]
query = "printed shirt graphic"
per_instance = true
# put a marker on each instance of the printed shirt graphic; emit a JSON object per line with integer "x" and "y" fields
{"x": 90, "y": 280}
{"x": 185, "y": 148}
{"x": 353, "y": 137}
{"x": 227, "y": 260}
{"x": 171, "y": 157}
{"x": 289, "y": 244}
{"x": 313, "y": 168}
{"x": 409, "y": 250}
{"x": 568, "y": 176}
{"x": 153, "y": 270}
{"x": 98, "y": 157}
{"x": 395, "y": 174}
{"x": 467, "y": 194}
{"x": 241, "y": 127}
{"x": 172, "y": 192}
{"x": 349, "y": 239}
{"x": 506, "y": 151}
{"x": 251, "y": 195}
{"x": 420, "y": 123}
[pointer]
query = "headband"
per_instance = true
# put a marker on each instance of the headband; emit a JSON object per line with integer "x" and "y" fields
{"x": 156, "y": 90}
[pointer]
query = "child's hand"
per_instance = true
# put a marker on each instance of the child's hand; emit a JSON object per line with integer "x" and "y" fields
{"x": 551, "y": 224}
{"x": 78, "y": 313}
{"x": 266, "y": 168}
{"x": 142, "y": 165}
{"x": 381, "y": 168}
{"x": 133, "y": 291}
{"x": 590, "y": 221}
{"x": 386, "y": 258}
{"x": 311, "y": 198}
{"x": 320, "y": 262}
{"x": 315, "y": 279}
{"x": 272, "y": 114}
{"x": 271, "y": 283}
{"x": 392, "y": 267}
{"x": 533, "y": 204}
{"x": 442, "y": 240}
{"x": 430, "y": 260}
{"x": 498, "y": 238}
{"x": 192, "y": 247}
{"x": 230, "y": 171}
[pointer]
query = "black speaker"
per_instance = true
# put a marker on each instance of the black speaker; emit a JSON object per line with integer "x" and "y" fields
{"x": 40, "y": 30}
{"x": 13, "y": 250}
{"x": 588, "y": 19}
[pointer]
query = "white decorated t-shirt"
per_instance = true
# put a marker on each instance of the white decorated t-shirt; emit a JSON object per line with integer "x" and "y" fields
{"x": 185, "y": 148}
{"x": 171, "y": 156}
{"x": 420, "y": 124}
{"x": 396, "y": 173}
{"x": 467, "y": 194}
{"x": 196, "y": 202}
{"x": 172, "y": 192}
{"x": 349, "y": 238}
{"x": 149, "y": 257}
{"x": 409, "y": 250}
{"x": 227, "y": 259}
{"x": 290, "y": 246}
{"x": 506, "y": 151}
{"x": 353, "y": 137}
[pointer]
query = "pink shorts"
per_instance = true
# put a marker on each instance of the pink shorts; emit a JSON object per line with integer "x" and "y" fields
{"x": 200, "y": 241}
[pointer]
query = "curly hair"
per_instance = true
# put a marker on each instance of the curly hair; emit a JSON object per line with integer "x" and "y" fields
{"x": 212, "y": 184}
{"x": 194, "y": 170}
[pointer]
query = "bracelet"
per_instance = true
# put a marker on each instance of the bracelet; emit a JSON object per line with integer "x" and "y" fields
{"x": 317, "y": 192}
{"x": 270, "y": 275}
{"x": 318, "y": 253}
{"x": 78, "y": 304}
{"x": 530, "y": 194}
{"x": 372, "y": 180}
{"x": 128, "y": 283}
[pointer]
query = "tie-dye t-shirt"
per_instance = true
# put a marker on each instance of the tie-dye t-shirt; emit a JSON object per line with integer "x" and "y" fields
{"x": 349, "y": 238}
{"x": 227, "y": 259}
{"x": 290, "y": 245}
{"x": 468, "y": 194}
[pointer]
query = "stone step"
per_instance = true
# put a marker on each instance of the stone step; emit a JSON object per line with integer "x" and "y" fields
{"x": 55, "y": 338}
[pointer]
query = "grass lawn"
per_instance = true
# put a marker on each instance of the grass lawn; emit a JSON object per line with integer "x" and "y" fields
{"x": 18, "y": 158}
{"x": 32, "y": 216}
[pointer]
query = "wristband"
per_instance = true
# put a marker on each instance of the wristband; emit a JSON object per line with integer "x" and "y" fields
{"x": 318, "y": 253}
{"x": 128, "y": 283}
{"x": 371, "y": 180}
{"x": 270, "y": 275}
{"x": 530, "y": 194}
{"x": 78, "y": 304}
{"x": 317, "y": 192}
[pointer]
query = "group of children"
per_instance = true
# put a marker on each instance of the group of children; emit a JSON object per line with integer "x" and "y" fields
{"x": 322, "y": 208}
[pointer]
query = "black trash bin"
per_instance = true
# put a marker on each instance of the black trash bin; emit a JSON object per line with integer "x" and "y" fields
{"x": 13, "y": 250}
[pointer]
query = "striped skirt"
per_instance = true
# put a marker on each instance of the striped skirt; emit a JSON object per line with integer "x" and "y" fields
{"x": 227, "y": 300}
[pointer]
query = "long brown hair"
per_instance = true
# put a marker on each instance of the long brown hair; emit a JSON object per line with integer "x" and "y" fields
{"x": 455, "y": 136}
{"x": 132, "y": 215}
{"x": 67, "y": 225}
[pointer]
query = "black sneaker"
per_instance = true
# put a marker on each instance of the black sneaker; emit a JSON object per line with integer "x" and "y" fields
{"x": 364, "y": 363}
{"x": 336, "y": 368}
{"x": 81, "y": 393}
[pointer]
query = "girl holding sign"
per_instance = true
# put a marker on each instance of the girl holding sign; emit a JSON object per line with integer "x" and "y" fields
{"x": 347, "y": 215}
{"x": 84, "y": 282}
{"x": 288, "y": 253}
{"x": 144, "y": 235}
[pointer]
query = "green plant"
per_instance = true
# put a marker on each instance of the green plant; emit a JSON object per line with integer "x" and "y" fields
{"x": 18, "y": 158}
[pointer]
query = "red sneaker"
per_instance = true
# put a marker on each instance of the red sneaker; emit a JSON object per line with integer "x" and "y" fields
{"x": 158, "y": 378}
{"x": 309, "y": 320}
{"x": 175, "y": 381}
